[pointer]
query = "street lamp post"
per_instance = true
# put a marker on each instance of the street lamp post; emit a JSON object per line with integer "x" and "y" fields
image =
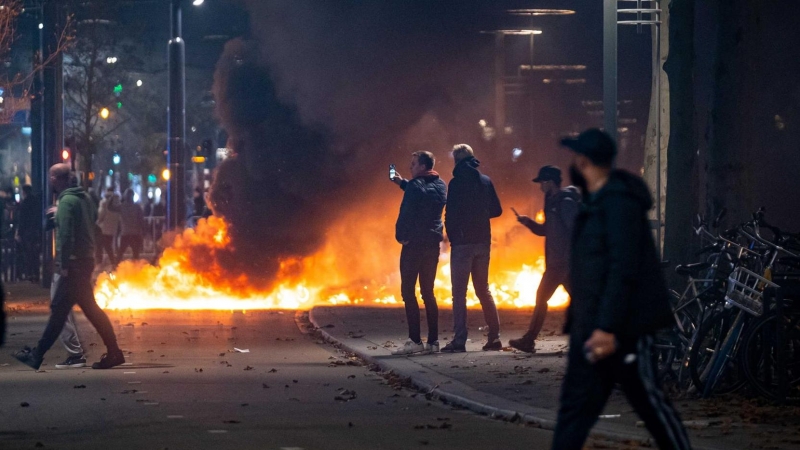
{"x": 176, "y": 122}
{"x": 610, "y": 67}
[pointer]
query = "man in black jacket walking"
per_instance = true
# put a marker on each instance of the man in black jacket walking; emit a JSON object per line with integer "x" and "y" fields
{"x": 419, "y": 229}
{"x": 619, "y": 299}
{"x": 560, "y": 210}
{"x": 471, "y": 202}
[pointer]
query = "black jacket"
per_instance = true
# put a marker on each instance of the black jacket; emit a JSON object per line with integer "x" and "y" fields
{"x": 420, "y": 219}
{"x": 616, "y": 278}
{"x": 560, "y": 211}
{"x": 471, "y": 202}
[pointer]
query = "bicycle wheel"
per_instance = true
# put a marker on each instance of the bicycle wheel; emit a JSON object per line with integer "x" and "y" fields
{"x": 706, "y": 347}
{"x": 759, "y": 357}
{"x": 670, "y": 352}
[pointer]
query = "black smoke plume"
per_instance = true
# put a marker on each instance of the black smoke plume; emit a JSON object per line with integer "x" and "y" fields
{"x": 274, "y": 190}
{"x": 317, "y": 103}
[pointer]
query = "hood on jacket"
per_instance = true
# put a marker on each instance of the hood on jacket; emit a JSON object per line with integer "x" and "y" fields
{"x": 76, "y": 191}
{"x": 570, "y": 192}
{"x": 430, "y": 175}
{"x": 467, "y": 167}
{"x": 626, "y": 183}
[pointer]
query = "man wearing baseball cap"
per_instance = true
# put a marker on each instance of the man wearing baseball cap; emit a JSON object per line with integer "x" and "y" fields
{"x": 560, "y": 210}
{"x": 619, "y": 300}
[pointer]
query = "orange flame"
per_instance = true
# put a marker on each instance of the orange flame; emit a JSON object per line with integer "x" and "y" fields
{"x": 179, "y": 282}
{"x": 539, "y": 216}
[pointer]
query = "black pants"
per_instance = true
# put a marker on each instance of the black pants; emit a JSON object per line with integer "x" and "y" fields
{"x": 133, "y": 241}
{"x": 552, "y": 278}
{"x": 419, "y": 261}
{"x": 76, "y": 288}
{"x": 106, "y": 244}
{"x": 30, "y": 257}
{"x": 586, "y": 389}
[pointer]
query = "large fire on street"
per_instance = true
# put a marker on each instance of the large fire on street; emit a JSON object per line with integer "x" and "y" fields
{"x": 174, "y": 284}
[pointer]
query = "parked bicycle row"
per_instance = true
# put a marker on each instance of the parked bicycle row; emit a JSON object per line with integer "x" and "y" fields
{"x": 737, "y": 319}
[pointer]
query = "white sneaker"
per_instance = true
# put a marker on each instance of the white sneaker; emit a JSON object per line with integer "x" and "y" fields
{"x": 409, "y": 347}
{"x": 432, "y": 347}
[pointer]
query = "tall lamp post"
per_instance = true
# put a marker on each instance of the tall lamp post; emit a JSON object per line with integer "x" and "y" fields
{"x": 500, "y": 74}
{"x": 176, "y": 121}
{"x": 646, "y": 12}
{"x": 176, "y": 118}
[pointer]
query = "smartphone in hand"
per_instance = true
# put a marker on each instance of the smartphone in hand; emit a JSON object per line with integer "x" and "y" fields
{"x": 392, "y": 171}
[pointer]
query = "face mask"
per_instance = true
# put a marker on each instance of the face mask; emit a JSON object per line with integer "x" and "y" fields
{"x": 577, "y": 179}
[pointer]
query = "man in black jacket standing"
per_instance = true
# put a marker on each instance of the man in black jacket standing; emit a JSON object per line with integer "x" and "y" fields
{"x": 471, "y": 202}
{"x": 560, "y": 210}
{"x": 619, "y": 299}
{"x": 419, "y": 229}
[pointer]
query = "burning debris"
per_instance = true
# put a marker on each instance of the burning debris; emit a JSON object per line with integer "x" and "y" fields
{"x": 287, "y": 230}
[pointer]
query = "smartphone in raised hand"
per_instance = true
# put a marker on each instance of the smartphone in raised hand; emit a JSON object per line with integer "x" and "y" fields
{"x": 392, "y": 171}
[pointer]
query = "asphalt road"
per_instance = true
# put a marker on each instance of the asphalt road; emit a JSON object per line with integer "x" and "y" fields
{"x": 187, "y": 388}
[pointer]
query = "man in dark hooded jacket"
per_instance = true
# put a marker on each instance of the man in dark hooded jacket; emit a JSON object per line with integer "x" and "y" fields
{"x": 419, "y": 229}
{"x": 471, "y": 203}
{"x": 560, "y": 210}
{"x": 72, "y": 278}
{"x": 619, "y": 300}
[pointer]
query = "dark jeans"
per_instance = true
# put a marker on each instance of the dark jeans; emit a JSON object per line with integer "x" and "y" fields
{"x": 30, "y": 257}
{"x": 420, "y": 261}
{"x": 106, "y": 244}
{"x": 465, "y": 260}
{"x": 586, "y": 389}
{"x": 76, "y": 288}
{"x": 553, "y": 277}
{"x": 134, "y": 242}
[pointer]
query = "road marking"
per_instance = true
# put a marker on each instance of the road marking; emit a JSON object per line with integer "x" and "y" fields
{"x": 175, "y": 416}
{"x": 151, "y": 403}
{"x": 129, "y": 373}
{"x": 217, "y": 431}
{"x": 134, "y": 382}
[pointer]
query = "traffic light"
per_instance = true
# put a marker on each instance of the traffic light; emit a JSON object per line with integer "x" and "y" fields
{"x": 198, "y": 157}
{"x": 116, "y": 159}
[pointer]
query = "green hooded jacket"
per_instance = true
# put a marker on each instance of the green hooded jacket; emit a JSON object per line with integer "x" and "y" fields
{"x": 75, "y": 220}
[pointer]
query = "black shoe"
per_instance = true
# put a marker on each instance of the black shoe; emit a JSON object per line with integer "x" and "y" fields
{"x": 493, "y": 344}
{"x": 29, "y": 357}
{"x": 523, "y": 345}
{"x": 72, "y": 362}
{"x": 109, "y": 360}
{"x": 454, "y": 348}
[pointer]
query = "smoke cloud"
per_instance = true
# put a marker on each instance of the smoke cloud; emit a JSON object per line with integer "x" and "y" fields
{"x": 317, "y": 103}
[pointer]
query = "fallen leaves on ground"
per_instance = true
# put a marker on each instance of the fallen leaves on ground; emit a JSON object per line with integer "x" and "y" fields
{"x": 345, "y": 395}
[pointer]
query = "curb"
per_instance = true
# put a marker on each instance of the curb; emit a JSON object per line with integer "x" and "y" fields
{"x": 516, "y": 415}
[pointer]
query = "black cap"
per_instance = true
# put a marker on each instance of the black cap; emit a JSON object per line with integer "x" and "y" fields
{"x": 595, "y": 144}
{"x": 548, "y": 173}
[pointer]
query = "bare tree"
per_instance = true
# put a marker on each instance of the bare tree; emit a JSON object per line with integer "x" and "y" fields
{"x": 17, "y": 84}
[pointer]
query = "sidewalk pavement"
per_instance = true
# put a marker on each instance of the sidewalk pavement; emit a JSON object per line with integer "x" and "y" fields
{"x": 516, "y": 386}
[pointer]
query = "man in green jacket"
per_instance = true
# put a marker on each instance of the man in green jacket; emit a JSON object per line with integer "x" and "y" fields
{"x": 73, "y": 269}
